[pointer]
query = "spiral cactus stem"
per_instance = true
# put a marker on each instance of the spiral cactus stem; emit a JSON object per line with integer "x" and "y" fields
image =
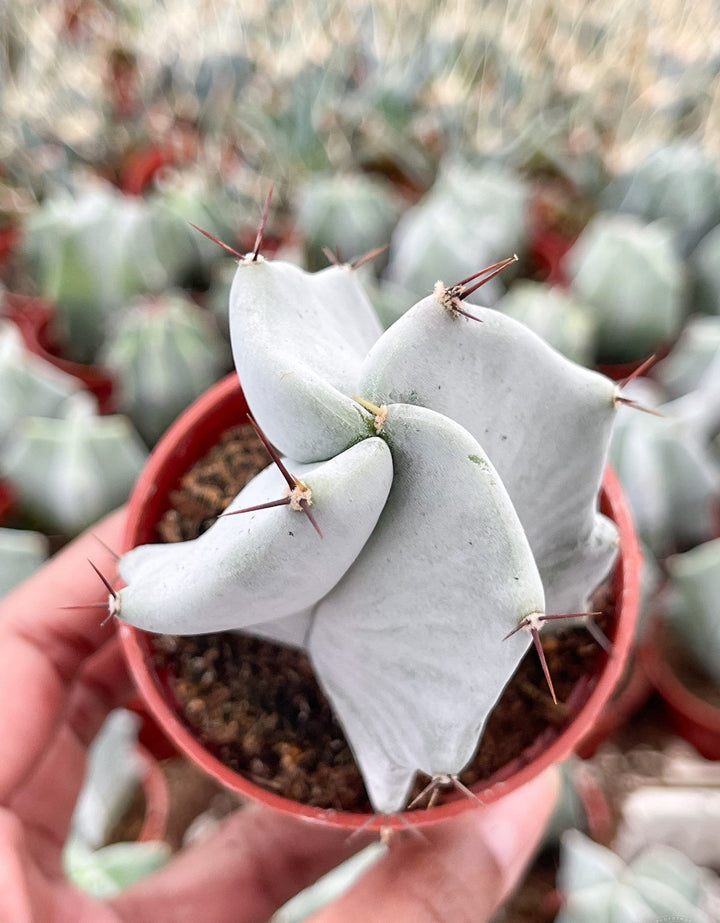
{"x": 368, "y": 257}
{"x": 299, "y": 492}
{"x": 217, "y": 241}
{"x": 263, "y": 222}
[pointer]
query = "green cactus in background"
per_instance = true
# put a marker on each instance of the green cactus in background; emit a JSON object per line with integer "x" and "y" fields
{"x": 691, "y": 606}
{"x": 349, "y": 215}
{"x": 29, "y": 385}
{"x": 678, "y": 183}
{"x": 632, "y": 278}
{"x": 68, "y": 472}
{"x": 559, "y": 317}
{"x": 698, "y": 345}
{"x": 470, "y": 217}
{"x": 705, "y": 264}
{"x": 93, "y": 250}
{"x": 659, "y": 884}
{"x": 163, "y": 352}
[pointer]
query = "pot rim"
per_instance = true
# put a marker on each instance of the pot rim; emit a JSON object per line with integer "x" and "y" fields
{"x": 183, "y": 444}
{"x": 688, "y": 707}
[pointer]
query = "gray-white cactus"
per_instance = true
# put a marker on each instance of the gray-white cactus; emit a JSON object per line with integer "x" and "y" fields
{"x": 630, "y": 274}
{"x": 470, "y": 217}
{"x": 659, "y": 884}
{"x": 453, "y": 466}
{"x": 163, "y": 351}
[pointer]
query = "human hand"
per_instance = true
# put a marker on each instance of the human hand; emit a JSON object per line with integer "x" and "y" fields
{"x": 62, "y": 671}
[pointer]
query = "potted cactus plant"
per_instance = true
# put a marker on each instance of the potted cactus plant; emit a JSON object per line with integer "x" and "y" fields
{"x": 441, "y": 509}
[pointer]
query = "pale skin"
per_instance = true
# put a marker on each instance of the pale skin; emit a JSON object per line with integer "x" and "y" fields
{"x": 61, "y": 671}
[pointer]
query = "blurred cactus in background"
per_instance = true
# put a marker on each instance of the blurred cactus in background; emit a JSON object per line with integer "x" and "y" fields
{"x": 630, "y": 275}
{"x": 164, "y": 351}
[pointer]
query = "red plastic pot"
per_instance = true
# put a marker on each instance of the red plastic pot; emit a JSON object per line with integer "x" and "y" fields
{"x": 34, "y": 318}
{"x": 632, "y": 693}
{"x": 692, "y": 718}
{"x": 185, "y": 443}
{"x": 7, "y": 501}
{"x": 9, "y": 240}
{"x": 141, "y": 167}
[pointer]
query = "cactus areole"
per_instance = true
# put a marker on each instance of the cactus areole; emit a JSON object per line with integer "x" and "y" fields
{"x": 436, "y": 490}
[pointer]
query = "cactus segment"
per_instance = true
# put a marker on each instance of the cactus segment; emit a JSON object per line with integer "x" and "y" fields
{"x": 409, "y": 645}
{"x": 298, "y": 356}
{"x": 263, "y": 565}
{"x": 544, "y": 422}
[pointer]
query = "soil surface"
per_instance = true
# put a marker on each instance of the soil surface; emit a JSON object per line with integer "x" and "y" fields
{"x": 257, "y": 706}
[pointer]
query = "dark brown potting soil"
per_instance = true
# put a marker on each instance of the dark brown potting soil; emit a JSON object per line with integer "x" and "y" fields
{"x": 258, "y": 707}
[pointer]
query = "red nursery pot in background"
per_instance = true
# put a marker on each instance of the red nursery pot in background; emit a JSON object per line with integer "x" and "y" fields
{"x": 692, "y": 718}
{"x": 187, "y": 441}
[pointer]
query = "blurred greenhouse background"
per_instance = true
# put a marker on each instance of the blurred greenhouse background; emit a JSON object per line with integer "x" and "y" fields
{"x": 582, "y": 135}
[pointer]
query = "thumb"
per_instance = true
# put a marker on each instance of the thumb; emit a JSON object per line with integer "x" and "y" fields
{"x": 470, "y": 866}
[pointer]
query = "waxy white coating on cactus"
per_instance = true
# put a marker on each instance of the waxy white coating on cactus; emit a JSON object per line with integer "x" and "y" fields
{"x": 659, "y": 884}
{"x": 409, "y": 645}
{"x": 298, "y": 354}
{"x": 264, "y": 565}
{"x": 544, "y": 422}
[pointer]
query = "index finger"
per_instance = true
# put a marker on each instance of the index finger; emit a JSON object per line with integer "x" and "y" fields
{"x": 43, "y": 647}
